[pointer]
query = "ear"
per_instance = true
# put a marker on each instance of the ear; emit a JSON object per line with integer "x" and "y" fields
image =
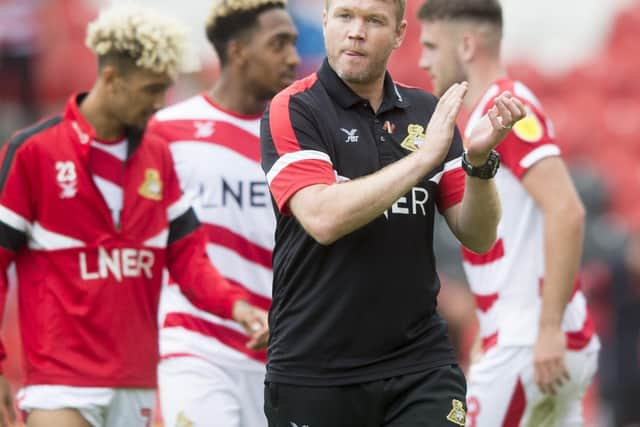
{"x": 401, "y": 32}
{"x": 237, "y": 52}
{"x": 324, "y": 23}
{"x": 467, "y": 47}
{"x": 109, "y": 75}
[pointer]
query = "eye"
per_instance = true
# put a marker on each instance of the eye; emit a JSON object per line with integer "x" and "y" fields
{"x": 375, "y": 20}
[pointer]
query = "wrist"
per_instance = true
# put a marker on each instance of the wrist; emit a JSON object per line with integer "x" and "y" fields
{"x": 477, "y": 158}
{"x": 239, "y": 308}
{"x": 485, "y": 170}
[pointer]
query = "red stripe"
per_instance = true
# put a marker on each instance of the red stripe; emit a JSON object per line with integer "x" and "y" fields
{"x": 282, "y": 133}
{"x": 495, "y": 253}
{"x": 226, "y": 336}
{"x": 178, "y": 355}
{"x": 489, "y": 342}
{"x": 106, "y": 166}
{"x": 254, "y": 298}
{"x": 298, "y": 175}
{"x": 515, "y": 411}
{"x": 485, "y": 302}
{"x": 239, "y": 244}
{"x": 578, "y": 340}
{"x": 224, "y": 134}
{"x": 450, "y": 189}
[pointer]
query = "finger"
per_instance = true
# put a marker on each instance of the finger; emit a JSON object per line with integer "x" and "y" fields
{"x": 3, "y": 421}
{"x": 521, "y": 107}
{"x": 493, "y": 118}
{"x": 11, "y": 411}
{"x": 504, "y": 113}
{"x": 516, "y": 112}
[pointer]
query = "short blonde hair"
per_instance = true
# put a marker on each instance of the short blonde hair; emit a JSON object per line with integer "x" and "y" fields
{"x": 152, "y": 41}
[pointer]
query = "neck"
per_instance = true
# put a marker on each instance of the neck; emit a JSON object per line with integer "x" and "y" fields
{"x": 232, "y": 93}
{"x": 482, "y": 75}
{"x": 97, "y": 114}
{"x": 372, "y": 92}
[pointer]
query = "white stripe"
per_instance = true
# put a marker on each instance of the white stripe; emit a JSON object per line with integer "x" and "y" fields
{"x": 159, "y": 240}
{"x": 256, "y": 278}
{"x": 450, "y": 165}
{"x": 118, "y": 150}
{"x": 178, "y": 208}
{"x": 521, "y": 91}
{"x": 13, "y": 220}
{"x": 296, "y": 156}
{"x": 43, "y": 239}
{"x": 180, "y": 340}
{"x": 199, "y": 109}
{"x": 477, "y": 113}
{"x": 112, "y": 194}
{"x": 538, "y": 154}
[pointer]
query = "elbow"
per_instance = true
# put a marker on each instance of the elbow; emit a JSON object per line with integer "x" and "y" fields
{"x": 574, "y": 215}
{"x": 322, "y": 229}
{"x": 483, "y": 245}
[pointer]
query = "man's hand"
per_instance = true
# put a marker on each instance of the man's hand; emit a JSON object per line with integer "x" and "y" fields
{"x": 255, "y": 322}
{"x": 7, "y": 411}
{"x": 443, "y": 121}
{"x": 548, "y": 359}
{"x": 493, "y": 127}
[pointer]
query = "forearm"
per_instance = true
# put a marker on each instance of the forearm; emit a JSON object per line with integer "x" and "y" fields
{"x": 477, "y": 222}
{"x": 563, "y": 235}
{"x": 198, "y": 279}
{"x": 329, "y": 212}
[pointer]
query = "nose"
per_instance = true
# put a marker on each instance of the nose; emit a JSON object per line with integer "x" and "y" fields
{"x": 293, "y": 58}
{"x": 425, "y": 60}
{"x": 357, "y": 30}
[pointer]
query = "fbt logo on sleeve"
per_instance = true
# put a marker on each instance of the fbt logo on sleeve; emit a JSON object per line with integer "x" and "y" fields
{"x": 117, "y": 263}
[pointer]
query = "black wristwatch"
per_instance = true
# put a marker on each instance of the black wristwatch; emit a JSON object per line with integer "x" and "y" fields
{"x": 486, "y": 171}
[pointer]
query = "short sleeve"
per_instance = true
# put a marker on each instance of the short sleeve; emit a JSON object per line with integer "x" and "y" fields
{"x": 451, "y": 179}
{"x": 294, "y": 155}
{"x": 530, "y": 141}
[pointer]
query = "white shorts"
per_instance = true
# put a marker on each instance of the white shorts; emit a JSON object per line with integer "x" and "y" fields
{"x": 198, "y": 393}
{"x": 101, "y": 407}
{"x": 501, "y": 390}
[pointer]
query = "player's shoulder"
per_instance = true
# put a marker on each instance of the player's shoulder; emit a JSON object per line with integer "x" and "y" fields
{"x": 518, "y": 89}
{"x": 36, "y": 136}
{"x": 189, "y": 109}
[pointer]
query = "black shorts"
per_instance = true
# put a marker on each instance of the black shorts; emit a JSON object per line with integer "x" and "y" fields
{"x": 434, "y": 398}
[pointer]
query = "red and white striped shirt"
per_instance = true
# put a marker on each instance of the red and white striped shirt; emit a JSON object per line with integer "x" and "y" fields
{"x": 507, "y": 280}
{"x": 217, "y": 158}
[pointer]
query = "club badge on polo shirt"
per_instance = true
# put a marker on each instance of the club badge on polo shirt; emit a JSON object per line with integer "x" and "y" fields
{"x": 414, "y": 138}
{"x": 457, "y": 415}
{"x": 151, "y": 188}
{"x": 529, "y": 128}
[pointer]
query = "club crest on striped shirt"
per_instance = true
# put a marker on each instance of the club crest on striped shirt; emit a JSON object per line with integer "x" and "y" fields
{"x": 414, "y": 138}
{"x": 151, "y": 188}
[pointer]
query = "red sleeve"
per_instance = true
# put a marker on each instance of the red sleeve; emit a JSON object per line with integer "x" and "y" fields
{"x": 187, "y": 260}
{"x": 198, "y": 279}
{"x": 530, "y": 141}
{"x": 15, "y": 214}
{"x": 294, "y": 155}
{"x": 451, "y": 179}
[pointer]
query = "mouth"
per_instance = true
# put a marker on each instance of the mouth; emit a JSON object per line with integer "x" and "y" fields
{"x": 354, "y": 53}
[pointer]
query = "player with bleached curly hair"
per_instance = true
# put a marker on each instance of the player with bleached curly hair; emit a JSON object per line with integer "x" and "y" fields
{"x": 92, "y": 213}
